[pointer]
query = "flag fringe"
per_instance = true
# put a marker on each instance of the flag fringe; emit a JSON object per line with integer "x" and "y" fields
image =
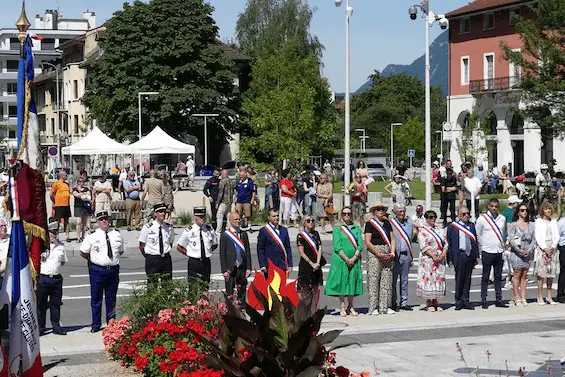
{"x": 23, "y": 143}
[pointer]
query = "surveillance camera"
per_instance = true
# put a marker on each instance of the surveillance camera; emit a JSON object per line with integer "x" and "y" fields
{"x": 349, "y": 11}
{"x": 337, "y": 3}
{"x": 413, "y": 12}
{"x": 443, "y": 23}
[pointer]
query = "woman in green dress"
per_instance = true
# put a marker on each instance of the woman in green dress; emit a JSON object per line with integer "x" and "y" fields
{"x": 345, "y": 277}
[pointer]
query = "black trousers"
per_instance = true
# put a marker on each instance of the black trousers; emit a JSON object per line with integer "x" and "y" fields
{"x": 158, "y": 268}
{"x": 199, "y": 269}
{"x": 468, "y": 204}
{"x": 237, "y": 278}
{"x": 445, "y": 202}
{"x": 463, "y": 272}
{"x": 561, "y": 280}
{"x": 49, "y": 295}
{"x": 214, "y": 212}
{"x": 492, "y": 261}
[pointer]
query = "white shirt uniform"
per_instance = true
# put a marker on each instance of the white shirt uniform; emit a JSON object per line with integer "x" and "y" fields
{"x": 4, "y": 245}
{"x": 190, "y": 240}
{"x": 488, "y": 239}
{"x": 52, "y": 260}
{"x": 150, "y": 237}
{"x": 418, "y": 221}
{"x": 95, "y": 245}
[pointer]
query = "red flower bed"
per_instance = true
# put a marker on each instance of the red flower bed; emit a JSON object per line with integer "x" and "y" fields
{"x": 163, "y": 347}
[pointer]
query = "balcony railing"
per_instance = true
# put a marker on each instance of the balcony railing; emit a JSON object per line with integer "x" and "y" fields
{"x": 495, "y": 85}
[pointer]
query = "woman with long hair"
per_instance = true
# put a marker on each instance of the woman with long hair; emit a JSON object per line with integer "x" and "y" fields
{"x": 168, "y": 194}
{"x": 82, "y": 208}
{"x": 522, "y": 240}
{"x": 547, "y": 255}
{"x": 310, "y": 268}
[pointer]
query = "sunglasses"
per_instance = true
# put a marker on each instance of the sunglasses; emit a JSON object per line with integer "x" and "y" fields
{"x": 310, "y": 221}
{"x": 464, "y": 213}
{"x": 346, "y": 213}
{"x": 523, "y": 210}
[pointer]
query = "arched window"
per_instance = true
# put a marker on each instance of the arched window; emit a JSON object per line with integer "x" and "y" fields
{"x": 517, "y": 125}
{"x": 490, "y": 124}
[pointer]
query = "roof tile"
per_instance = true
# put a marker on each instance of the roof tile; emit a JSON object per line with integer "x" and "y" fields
{"x": 480, "y": 5}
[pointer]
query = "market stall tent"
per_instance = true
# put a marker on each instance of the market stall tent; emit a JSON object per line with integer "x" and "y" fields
{"x": 96, "y": 142}
{"x": 159, "y": 142}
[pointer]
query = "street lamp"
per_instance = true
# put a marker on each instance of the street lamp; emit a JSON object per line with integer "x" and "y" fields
{"x": 431, "y": 17}
{"x": 440, "y": 142}
{"x": 139, "y": 94}
{"x": 347, "y": 156}
{"x": 57, "y": 111}
{"x": 363, "y": 138}
{"x": 205, "y": 116}
{"x": 392, "y": 125}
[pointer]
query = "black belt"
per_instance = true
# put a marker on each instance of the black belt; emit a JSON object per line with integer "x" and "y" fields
{"x": 404, "y": 253}
{"x": 200, "y": 259}
{"x": 462, "y": 251}
{"x": 58, "y": 276}
{"x": 132, "y": 198}
{"x": 104, "y": 267}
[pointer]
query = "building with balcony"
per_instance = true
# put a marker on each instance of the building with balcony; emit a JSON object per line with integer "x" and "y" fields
{"x": 55, "y": 31}
{"x": 485, "y": 87}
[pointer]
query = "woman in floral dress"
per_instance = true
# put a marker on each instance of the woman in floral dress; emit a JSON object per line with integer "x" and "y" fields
{"x": 431, "y": 272}
{"x": 546, "y": 257}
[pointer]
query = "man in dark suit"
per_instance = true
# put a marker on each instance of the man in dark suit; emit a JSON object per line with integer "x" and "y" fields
{"x": 463, "y": 252}
{"x": 235, "y": 256}
{"x": 274, "y": 244}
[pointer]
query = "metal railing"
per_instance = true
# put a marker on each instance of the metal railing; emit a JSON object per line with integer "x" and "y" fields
{"x": 495, "y": 85}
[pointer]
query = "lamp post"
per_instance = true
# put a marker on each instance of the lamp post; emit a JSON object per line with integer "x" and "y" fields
{"x": 57, "y": 111}
{"x": 440, "y": 142}
{"x": 430, "y": 17}
{"x": 139, "y": 94}
{"x": 392, "y": 125}
{"x": 205, "y": 116}
{"x": 363, "y": 138}
{"x": 347, "y": 152}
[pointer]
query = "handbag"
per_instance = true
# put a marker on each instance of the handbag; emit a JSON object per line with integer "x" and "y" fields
{"x": 323, "y": 261}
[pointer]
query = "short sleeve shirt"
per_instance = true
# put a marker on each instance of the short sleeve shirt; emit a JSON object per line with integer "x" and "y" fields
{"x": 62, "y": 193}
{"x": 150, "y": 237}
{"x": 376, "y": 237}
{"x": 95, "y": 244}
{"x": 103, "y": 197}
{"x": 245, "y": 190}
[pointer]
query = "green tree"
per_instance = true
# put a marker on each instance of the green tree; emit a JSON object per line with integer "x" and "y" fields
{"x": 542, "y": 59}
{"x": 410, "y": 136}
{"x": 169, "y": 46}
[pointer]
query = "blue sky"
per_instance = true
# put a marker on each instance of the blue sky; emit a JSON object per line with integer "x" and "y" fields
{"x": 381, "y": 31}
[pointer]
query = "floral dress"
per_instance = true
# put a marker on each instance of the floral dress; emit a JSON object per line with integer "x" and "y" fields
{"x": 431, "y": 275}
{"x": 547, "y": 267}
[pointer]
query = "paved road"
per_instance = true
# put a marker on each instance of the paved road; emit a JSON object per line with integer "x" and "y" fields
{"x": 76, "y": 288}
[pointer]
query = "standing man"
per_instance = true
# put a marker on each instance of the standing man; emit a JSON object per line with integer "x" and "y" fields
{"x": 489, "y": 228}
{"x": 103, "y": 193}
{"x": 235, "y": 257}
{"x": 50, "y": 284}
{"x": 418, "y": 219}
{"x": 224, "y": 200}
{"x": 153, "y": 191}
{"x": 470, "y": 188}
{"x": 124, "y": 174}
{"x": 155, "y": 243}
{"x": 449, "y": 195}
{"x": 132, "y": 189}
{"x": 61, "y": 198}
{"x": 190, "y": 170}
{"x": 274, "y": 244}
{"x": 102, "y": 249}
{"x": 404, "y": 233}
{"x": 245, "y": 195}
{"x": 463, "y": 252}
{"x": 401, "y": 168}
{"x": 211, "y": 190}
{"x": 197, "y": 243}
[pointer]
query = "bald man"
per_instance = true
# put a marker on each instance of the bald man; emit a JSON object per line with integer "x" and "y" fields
{"x": 235, "y": 256}
{"x": 153, "y": 191}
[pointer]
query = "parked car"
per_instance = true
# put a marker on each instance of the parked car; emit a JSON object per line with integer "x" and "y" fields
{"x": 233, "y": 166}
{"x": 376, "y": 170}
{"x": 314, "y": 169}
{"x": 205, "y": 170}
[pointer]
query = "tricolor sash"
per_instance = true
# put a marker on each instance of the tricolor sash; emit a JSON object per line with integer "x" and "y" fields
{"x": 273, "y": 233}
{"x": 311, "y": 241}
{"x": 382, "y": 231}
{"x": 345, "y": 229}
{"x": 238, "y": 242}
{"x": 463, "y": 228}
{"x": 436, "y": 236}
{"x": 490, "y": 221}
{"x": 403, "y": 234}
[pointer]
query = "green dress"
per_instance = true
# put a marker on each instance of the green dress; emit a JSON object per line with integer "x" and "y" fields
{"x": 342, "y": 280}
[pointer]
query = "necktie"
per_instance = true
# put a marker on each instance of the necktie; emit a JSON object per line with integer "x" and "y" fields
{"x": 238, "y": 254}
{"x": 202, "y": 248}
{"x": 161, "y": 246}
{"x": 109, "y": 247}
{"x": 467, "y": 246}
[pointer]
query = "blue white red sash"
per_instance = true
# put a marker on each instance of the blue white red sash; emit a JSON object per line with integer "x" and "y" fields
{"x": 311, "y": 241}
{"x": 238, "y": 242}
{"x": 436, "y": 236}
{"x": 403, "y": 234}
{"x": 463, "y": 228}
{"x": 272, "y": 231}
{"x": 492, "y": 223}
{"x": 382, "y": 231}
{"x": 345, "y": 229}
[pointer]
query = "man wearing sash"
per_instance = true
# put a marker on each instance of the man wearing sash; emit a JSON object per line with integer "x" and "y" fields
{"x": 489, "y": 229}
{"x": 274, "y": 244}
{"x": 463, "y": 251}
{"x": 404, "y": 232}
{"x": 235, "y": 256}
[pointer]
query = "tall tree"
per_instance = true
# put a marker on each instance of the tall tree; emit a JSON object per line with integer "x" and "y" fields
{"x": 542, "y": 59}
{"x": 169, "y": 46}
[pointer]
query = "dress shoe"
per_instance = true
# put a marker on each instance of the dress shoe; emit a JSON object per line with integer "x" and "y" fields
{"x": 406, "y": 308}
{"x": 59, "y": 332}
{"x": 500, "y": 304}
{"x": 469, "y": 306}
{"x": 93, "y": 330}
{"x": 459, "y": 306}
{"x": 42, "y": 332}
{"x": 484, "y": 305}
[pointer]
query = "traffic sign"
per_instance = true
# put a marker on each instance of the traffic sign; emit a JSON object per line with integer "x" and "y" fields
{"x": 52, "y": 151}
{"x": 411, "y": 153}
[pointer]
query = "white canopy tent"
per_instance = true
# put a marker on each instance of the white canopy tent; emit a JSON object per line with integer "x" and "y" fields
{"x": 96, "y": 142}
{"x": 159, "y": 142}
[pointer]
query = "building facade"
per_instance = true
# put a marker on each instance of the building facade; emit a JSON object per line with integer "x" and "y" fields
{"x": 484, "y": 90}
{"x": 55, "y": 31}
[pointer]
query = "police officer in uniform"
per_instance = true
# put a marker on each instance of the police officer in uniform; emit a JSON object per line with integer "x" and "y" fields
{"x": 102, "y": 248}
{"x": 197, "y": 243}
{"x": 50, "y": 285}
{"x": 155, "y": 243}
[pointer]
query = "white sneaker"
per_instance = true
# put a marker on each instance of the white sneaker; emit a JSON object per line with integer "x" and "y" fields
{"x": 375, "y": 312}
{"x": 390, "y": 311}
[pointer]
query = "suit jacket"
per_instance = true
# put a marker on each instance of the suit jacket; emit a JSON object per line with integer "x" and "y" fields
{"x": 268, "y": 249}
{"x": 453, "y": 244}
{"x": 228, "y": 252}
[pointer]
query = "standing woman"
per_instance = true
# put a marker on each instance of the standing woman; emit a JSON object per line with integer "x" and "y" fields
{"x": 521, "y": 236}
{"x": 310, "y": 268}
{"x": 381, "y": 245}
{"x": 168, "y": 195}
{"x": 547, "y": 255}
{"x": 345, "y": 277}
{"x": 431, "y": 272}
{"x": 288, "y": 198}
{"x": 325, "y": 193}
{"x": 83, "y": 208}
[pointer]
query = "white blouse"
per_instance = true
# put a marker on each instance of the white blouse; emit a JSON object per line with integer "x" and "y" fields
{"x": 541, "y": 231}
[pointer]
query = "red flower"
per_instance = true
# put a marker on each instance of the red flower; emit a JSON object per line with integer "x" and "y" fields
{"x": 342, "y": 372}
{"x": 141, "y": 363}
{"x": 160, "y": 350}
